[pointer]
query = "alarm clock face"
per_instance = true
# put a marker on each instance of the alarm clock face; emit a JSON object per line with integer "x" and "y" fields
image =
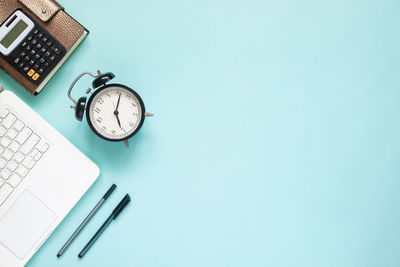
{"x": 115, "y": 112}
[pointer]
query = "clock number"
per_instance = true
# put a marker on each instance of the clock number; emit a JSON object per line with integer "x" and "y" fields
{"x": 133, "y": 104}
{"x": 97, "y": 110}
{"x": 100, "y": 101}
{"x": 103, "y": 129}
{"x": 113, "y": 132}
{"x": 132, "y": 124}
{"x": 99, "y": 119}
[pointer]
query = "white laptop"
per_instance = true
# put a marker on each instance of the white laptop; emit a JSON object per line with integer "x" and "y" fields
{"x": 42, "y": 176}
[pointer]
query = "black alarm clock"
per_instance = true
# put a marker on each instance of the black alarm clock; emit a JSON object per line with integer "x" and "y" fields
{"x": 114, "y": 112}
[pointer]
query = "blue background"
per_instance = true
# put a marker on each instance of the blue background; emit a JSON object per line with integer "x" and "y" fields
{"x": 275, "y": 141}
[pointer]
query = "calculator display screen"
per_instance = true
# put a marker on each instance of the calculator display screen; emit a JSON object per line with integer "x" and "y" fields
{"x": 13, "y": 34}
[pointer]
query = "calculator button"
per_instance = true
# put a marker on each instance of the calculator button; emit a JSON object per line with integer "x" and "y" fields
{"x": 40, "y": 35}
{"x": 56, "y": 50}
{"x": 24, "y": 44}
{"x": 35, "y": 76}
{"x": 34, "y": 41}
{"x": 31, "y": 72}
{"x": 28, "y": 48}
{"x": 23, "y": 53}
{"x": 36, "y": 66}
{"x": 17, "y": 60}
{"x": 44, "y": 39}
{"x": 46, "y": 64}
{"x": 43, "y": 50}
{"x": 31, "y": 62}
{"x": 21, "y": 64}
{"x": 32, "y": 52}
{"x": 30, "y": 38}
{"x": 49, "y": 43}
{"x": 38, "y": 46}
{"x": 26, "y": 68}
{"x": 41, "y": 61}
{"x": 26, "y": 58}
{"x": 52, "y": 58}
{"x": 40, "y": 71}
{"x": 36, "y": 31}
{"x": 37, "y": 56}
{"x": 47, "y": 54}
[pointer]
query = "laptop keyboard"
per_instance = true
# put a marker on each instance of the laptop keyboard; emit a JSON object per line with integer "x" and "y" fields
{"x": 20, "y": 150}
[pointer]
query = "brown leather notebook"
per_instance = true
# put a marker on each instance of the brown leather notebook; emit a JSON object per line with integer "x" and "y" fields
{"x": 52, "y": 17}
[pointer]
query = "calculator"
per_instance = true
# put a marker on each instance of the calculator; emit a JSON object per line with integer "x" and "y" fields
{"x": 29, "y": 47}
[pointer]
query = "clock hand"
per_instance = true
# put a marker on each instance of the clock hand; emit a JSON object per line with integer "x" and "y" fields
{"x": 116, "y": 110}
{"x": 116, "y": 115}
{"x": 119, "y": 123}
{"x": 119, "y": 98}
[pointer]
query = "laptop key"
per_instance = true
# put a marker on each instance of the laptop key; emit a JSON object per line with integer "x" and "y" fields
{"x": 5, "y": 141}
{"x": 19, "y": 157}
{"x": 29, "y": 144}
{"x": 18, "y": 125}
{"x": 14, "y": 180}
{"x": 21, "y": 171}
{"x": 12, "y": 133}
{"x": 44, "y": 147}
{"x": 3, "y": 162}
{"x": 33, "y": 152}
{"x": 4, "y": 113}
{"x": 4, "y": 173}
{"x": 7, "y": 154}
{"x": 12, "y": 165}
{"x": 28, "y": 163}
{"x": 9, "y": 120}
{"x": 14, "y": 146}
{"x": 23, "y": 135}
{"x": 5, "y": 191}
{"x": 2, "y": 131}
{"x": 38, "y": 156}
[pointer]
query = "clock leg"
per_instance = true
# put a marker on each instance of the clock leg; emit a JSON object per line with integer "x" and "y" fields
{"x": 126, "y": 143}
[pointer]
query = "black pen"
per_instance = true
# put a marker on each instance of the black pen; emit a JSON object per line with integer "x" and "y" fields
{"x": 112, "y": 217}
{"x": 86, "y": 220}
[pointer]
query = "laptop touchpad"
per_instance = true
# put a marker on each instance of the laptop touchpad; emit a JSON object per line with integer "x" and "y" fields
{"x": 24, "y": 224}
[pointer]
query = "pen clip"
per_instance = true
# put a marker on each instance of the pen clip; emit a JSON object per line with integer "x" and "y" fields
{"x": 121, "y": 206}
